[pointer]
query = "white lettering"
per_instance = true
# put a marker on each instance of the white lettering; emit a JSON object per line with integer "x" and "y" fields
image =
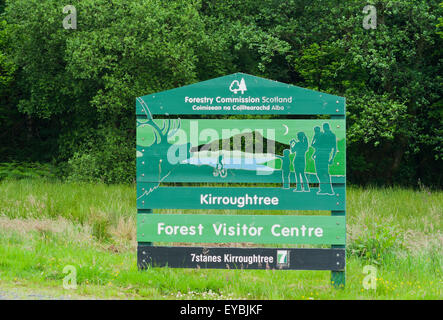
{"x": 277, "y": 231}
{"x": 239, "y": 201}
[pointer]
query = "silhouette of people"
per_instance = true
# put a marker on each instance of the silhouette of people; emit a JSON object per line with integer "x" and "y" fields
{"x": 285, "y": 168}
{"x": 317, "y": 134}
{"x": 325, "y": 145}
{"x": 300, "y": 148}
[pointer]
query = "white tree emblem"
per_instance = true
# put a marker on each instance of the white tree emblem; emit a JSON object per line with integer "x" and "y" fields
{"x": 238, "y": 86}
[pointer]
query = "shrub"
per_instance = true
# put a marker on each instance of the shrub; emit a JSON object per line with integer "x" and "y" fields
{"x": 377, "y": 243}
{"x": 24, "y": 170}
{"x": 83, "y": 167}
{"x": 100, "y": 224}
{"x": 112, "y": 160}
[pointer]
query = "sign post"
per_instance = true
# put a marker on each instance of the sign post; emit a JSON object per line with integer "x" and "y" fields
{"x": 298, "y": 162}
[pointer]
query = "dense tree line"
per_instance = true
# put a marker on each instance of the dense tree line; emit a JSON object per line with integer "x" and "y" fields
{"x": 67, "y": 96}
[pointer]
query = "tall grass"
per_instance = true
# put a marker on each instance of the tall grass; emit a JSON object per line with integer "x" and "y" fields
{"x": 383, "y": 214}
{"x": 73, "y": 201}
{"x": 46, "y": 225}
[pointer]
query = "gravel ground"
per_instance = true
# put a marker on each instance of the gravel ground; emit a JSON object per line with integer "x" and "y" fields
{"x": 14, "y": 294}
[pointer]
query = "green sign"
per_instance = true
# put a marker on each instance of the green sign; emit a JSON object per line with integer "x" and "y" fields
{"x": 240, "y": 93}
{"x": 252, "y": 164}
{"x": 239, "y": 198}
{"x": 191, "y": 153}
{"x": 241, "y": 228}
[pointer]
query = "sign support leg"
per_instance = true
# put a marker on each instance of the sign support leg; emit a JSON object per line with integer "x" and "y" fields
{"x": 338, "y": 278}
{"x": 140, "y": 262}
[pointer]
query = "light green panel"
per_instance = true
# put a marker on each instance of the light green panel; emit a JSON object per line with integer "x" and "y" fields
{"x": 279, "y": 130}
{"x": 271, "y": 229}
{"x": 190, "y": 165}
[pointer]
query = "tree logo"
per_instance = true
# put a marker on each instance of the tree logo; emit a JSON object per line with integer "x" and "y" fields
{"x": 238, "y": 86}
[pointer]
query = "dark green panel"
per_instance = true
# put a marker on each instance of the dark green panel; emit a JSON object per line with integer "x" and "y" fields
{"x": 151, "y": 196}
{"x": 272, "y": 229}
{"x": 240, "y": 258}
{"x": 224, "y": 96}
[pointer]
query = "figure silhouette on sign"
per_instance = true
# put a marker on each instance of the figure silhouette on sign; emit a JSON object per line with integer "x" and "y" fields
{"x": 285, "y": 168}
{"x": 325, "y": 146}
{"x": 220, "y": 168}
{"x": 317, "y": 134}
{"x": 300, "y": 148}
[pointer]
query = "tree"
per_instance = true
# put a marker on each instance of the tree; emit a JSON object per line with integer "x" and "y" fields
{"x": 86, "y": 79}
{"x": 440, "y": 25}
{"x": 73, "y": 90}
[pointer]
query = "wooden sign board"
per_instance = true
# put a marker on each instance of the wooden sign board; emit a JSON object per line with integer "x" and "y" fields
{"x": 269, "y": 165}
{"x": 241, "y": 258}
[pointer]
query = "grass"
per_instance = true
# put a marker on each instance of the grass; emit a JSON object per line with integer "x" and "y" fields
{"x": 46, "y": 226}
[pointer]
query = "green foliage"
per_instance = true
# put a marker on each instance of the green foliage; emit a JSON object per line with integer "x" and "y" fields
{"x": 79, "y": 224}
{"x": 16, "y": 170}
{"x": 440, "y": 25}
{"x": 100, "y": 224}
{"x": 83, "y": 167}
{"x": 374, "y": 119}
{"x": 111, "y": 160}
{"x": 68, "y": 95}
{"x": 381, "y": 241}
{"x": 326, "y": 68}
{"x": 7, "y": 67}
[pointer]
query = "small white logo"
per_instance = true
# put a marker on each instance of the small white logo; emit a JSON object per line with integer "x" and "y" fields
{"x": 283, "y": 258}
{"x": 238, "y": 86}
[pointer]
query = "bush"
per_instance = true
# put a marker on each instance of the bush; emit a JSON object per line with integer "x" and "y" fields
{"x": 83, "y": 167}
{"x": 379, "y": 242}
{"x": 23, "y": 170}
{"x": 111, "y": 161}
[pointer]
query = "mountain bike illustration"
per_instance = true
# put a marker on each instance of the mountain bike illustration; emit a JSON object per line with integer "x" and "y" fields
{"x": 220, "y": 169}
